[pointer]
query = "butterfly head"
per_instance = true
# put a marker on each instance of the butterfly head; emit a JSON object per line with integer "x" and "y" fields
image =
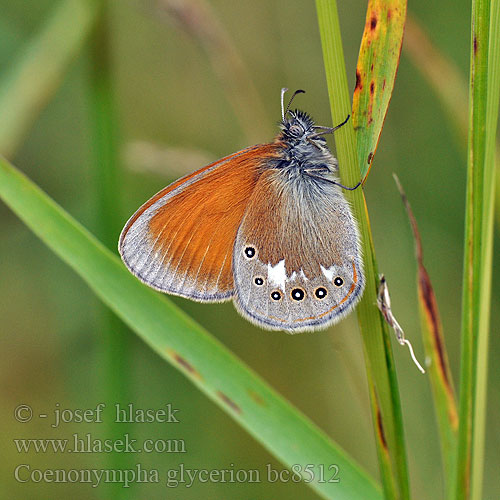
{"x": 298, "y": 126}
{"x": 305, "y": 145}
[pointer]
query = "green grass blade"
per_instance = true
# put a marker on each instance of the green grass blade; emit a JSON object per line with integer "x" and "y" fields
{"x": 385, "y": 403}
{"x": 36, "y": 75}
{"x": 439, "y": 370}
{"x": 376, "y": 70}
{"x": 282, "y": 429}
{"x": 491, "y": 189}
{"x": 483, "y": 117}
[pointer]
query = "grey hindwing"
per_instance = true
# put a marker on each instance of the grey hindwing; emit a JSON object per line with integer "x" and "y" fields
{"x": 279, "y": 299}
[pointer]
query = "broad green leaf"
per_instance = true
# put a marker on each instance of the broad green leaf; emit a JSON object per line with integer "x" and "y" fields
{"x": 225, "y": 379}
{"x": 378, "y": 63}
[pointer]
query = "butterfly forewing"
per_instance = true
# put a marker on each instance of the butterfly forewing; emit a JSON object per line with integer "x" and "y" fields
{"x": 297, "y": 262}
{"x": 181, "y": 241}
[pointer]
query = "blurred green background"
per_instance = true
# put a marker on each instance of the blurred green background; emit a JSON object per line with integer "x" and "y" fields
{"x": 186, "y": 94}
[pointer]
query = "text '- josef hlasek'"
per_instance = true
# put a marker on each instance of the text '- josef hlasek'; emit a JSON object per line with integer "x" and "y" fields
{"x": 121, "y": 414}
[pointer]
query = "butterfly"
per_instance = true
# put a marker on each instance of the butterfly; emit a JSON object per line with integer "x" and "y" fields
{"x": 267, "y": 227}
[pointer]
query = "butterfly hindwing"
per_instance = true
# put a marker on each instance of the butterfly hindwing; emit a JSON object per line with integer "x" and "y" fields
{"x": 181, "y": 240}
{"x": 297, "y": 262}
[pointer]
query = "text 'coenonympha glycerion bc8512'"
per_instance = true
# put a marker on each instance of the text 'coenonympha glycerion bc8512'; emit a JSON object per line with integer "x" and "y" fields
{"x": 268, "y": 227}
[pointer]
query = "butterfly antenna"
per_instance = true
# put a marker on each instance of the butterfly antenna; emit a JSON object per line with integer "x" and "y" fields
{"x": 291, "y": 99}
{"x": 348, "y": 188}
{"x": 283, "y": 90}
{"x": 341, "y": 124}
{"x": 328, "y": 130}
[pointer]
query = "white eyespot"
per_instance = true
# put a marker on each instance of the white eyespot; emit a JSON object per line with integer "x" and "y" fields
{"x": 249, "y": 251}
{"x": 320, "y": 292}
{"x": 258, "y": 280}
{"x": 338, "y": 281}
{"x": 276, "y": 295}
{"x": 297, "y": 294}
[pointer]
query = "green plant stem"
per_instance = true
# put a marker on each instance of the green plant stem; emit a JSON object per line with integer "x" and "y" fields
{"x": 385, "y": 403}
{"x": 114, "y": 337}
{"x": 483, "y": 117}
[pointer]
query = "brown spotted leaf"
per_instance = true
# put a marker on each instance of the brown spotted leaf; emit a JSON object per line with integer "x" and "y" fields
{"x": 432, "y": 331}
{"x": 378, "y": 62}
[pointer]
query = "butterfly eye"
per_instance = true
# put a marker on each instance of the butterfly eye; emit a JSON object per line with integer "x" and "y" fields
{"x": 258, "y": 281}
{"x": 338, "y": 281}
{"x": 296, "y": 130}
{"x": 249, "y": 252}
{"x": 298, "y": 294}
{"x": 320, "y": 292}
{"x": 276, "y": 295}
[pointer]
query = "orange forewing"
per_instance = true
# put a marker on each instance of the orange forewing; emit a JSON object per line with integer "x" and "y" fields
{"x": 192, "y": 235}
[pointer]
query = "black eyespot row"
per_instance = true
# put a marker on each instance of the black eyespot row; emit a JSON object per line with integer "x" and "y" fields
{"x": 250, "y": 252}
{"x": 276, "y": 295}
{"x": 320, "y": 292}
{"x": 298, "y": 294}
{"x": 258, "y": 281}
{"x": 338, "y": 281}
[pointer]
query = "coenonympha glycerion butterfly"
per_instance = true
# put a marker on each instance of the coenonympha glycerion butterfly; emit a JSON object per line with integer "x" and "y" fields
{"x": 267, "y": 227}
